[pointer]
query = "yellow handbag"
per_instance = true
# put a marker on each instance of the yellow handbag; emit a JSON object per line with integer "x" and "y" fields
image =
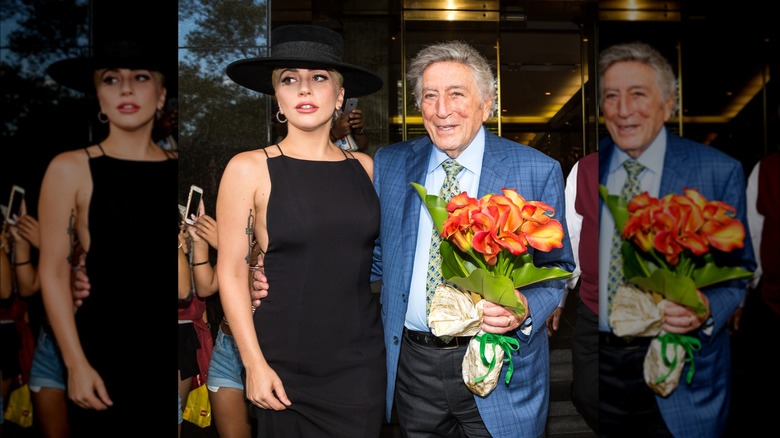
{"x": 20, "y": 409}
{"x": 198, "y": 409}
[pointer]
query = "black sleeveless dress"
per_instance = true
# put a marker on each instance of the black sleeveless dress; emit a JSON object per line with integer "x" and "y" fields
{"x": 320, "y": 328}
{"x": 126, "y": 268}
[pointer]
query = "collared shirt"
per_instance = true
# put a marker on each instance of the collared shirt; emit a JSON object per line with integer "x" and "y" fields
{"x": 755, "y": 222}
{"x": 574, "y": 226}
{"x": 468, "y": 179}
{"x": 649, "y": 181}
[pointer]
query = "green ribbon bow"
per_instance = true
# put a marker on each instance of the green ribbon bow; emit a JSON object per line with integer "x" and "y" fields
{"x": 506, "y": 343}
{"x": 688, "y": 343}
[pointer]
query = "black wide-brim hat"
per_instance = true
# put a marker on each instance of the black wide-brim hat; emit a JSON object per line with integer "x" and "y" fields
{"x": 79, "y": 73}
{"x": 303, "y": 46}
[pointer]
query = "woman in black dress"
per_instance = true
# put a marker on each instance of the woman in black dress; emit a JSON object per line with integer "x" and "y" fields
{"x": 102, "y": 186}
{"x": 313, "y": 351}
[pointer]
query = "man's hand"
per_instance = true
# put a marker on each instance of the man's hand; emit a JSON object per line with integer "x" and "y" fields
{"x": 734, "y": 320}
{"x": 499, "y": 319}
{"x": 553, "y": 321}
{"x": 79, "y": 281}
{"x": 259, "y": 284}
{"x": 680, "y": 319}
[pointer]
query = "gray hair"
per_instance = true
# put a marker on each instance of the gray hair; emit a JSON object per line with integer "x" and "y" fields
{"x": 454, "y": 51}
{"x": 646, "y": 54}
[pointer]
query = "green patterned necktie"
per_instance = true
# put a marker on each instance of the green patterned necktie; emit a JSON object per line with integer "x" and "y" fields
{"x": 630, "y": 189}
{"x": 449, "y": 189}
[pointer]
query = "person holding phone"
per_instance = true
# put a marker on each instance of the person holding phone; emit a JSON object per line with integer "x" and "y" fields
{"x": 313, "y": 354}
{"x": 16, "y": 335}
{"x": 226, "y": 388}
{"x": 46, "y": 371}
{"x": 349, "y": 121}
{"x": 99, "y": 186}
{"x": 6, "y": 283}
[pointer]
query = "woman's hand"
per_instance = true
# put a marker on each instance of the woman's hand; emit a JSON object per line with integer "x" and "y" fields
{"x": 206, "y": 228}
{"x": 264, "y": 388}
{"x": 86, "y": 388}
{"x": 184, "y": 241}
{"x": 27, "y": 228}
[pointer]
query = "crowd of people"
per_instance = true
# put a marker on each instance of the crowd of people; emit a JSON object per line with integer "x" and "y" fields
{"x": 302, "y": 347}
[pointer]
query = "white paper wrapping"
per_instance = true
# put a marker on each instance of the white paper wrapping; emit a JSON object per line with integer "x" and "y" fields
{"x": 654, "y": 367}
{"x": 635, "y": 313}
{"x": 453, "y": 313}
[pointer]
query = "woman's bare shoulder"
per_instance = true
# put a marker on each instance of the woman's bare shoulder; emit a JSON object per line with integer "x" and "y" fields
{"x": 255, "y": 157}
{"x": 71, "y": 162}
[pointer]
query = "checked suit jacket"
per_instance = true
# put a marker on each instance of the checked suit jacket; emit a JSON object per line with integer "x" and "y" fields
{"x": 520, "y": 408}
{"x": 701, "y": 408}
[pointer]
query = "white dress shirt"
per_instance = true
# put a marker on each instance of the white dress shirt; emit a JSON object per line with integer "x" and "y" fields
{"x": 468, "y": 179}
{"x": 755, "y": 222}
{"x": 574, "y": 226}
{"x": 649, "y": 181}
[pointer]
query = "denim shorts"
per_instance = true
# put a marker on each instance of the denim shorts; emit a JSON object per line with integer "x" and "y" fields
{"x": 225, "y": 367}
{"x": 47, "y": 370}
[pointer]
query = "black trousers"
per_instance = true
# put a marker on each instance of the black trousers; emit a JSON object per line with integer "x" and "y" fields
{"x": 585, "y": 365}
{"x": 754, "y": 371}
{"x": 627, "y": 406}
{"x": 430, "y": 396}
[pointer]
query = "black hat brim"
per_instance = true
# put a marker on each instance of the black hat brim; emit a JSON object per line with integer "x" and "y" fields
{"x": 78, "y": 73}
{"x": 255, "y": 74}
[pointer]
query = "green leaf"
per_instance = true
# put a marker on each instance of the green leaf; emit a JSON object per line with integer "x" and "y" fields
{"x": 527, "y": 273}
{"x": 435, "y": 205}
{"x": 634, "y": 263}
{"x": 677, "y": 288}
{"x": 710, "y": 274}
{"x": 452, "y": 264}
{"x": 496, "y": 289}
{"x": 617, "y": 206}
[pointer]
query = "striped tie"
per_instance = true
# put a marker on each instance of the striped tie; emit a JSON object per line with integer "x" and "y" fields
{"x": 630, "y": 189}
{"x": 449, "y": 189}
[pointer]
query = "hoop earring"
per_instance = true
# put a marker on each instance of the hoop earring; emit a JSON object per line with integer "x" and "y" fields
{"x": 102, "y": 117}
{"x": 279, "y": 119}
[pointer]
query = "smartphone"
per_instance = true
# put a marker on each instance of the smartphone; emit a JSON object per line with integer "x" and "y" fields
{"x": 193, "y": 202}
{"x": 350, "y": 105}
{"x": 14, "y": 204}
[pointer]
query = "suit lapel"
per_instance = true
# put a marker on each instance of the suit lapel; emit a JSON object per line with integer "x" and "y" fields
{"x": 494, "y": 173}
{"x": 420, "y": 152}
{"x": 675, "y": 166}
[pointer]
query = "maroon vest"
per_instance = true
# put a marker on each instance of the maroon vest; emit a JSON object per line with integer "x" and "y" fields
{"x": 587, "y": 205}
{"x": 767, "y": 204}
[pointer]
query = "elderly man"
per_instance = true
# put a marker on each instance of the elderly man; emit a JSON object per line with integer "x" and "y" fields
{"x": 638, "y": 95}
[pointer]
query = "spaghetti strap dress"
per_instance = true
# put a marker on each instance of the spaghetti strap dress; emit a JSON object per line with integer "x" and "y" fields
{"x": 125, "y": 220}
{"x": 320, "y": 328}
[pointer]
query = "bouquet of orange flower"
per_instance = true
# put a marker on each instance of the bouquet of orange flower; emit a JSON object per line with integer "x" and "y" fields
{"x": 667, "y": 252}
{"x": 484, "y": 250}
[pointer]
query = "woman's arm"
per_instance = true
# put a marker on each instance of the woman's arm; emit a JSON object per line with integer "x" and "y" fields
{"x": 204, "y": 234}
{"x": 238, "y": 199}
{"x": 26, "y": 235}
{"x": 185, "y": 275}
{"x": 66, "y": 184}
{"x": 6, "y": 283}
